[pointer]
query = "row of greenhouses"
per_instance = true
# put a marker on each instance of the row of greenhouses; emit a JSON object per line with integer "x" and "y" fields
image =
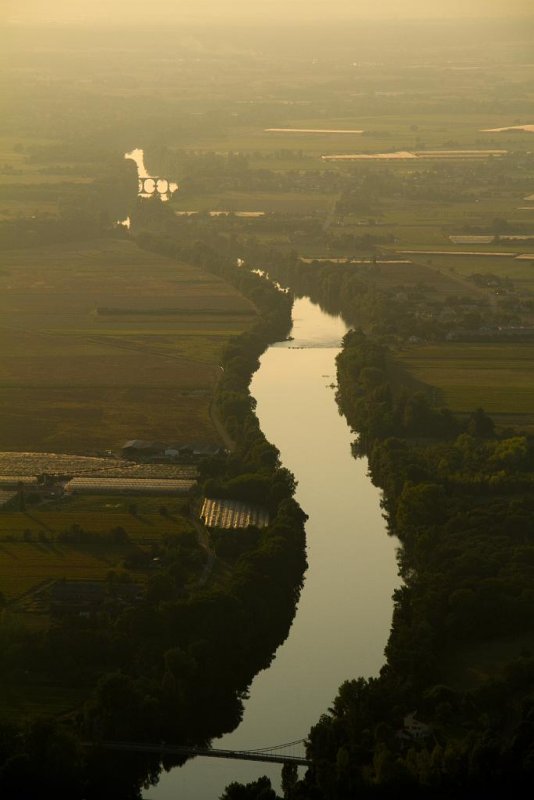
{"x": 218, "y": 513}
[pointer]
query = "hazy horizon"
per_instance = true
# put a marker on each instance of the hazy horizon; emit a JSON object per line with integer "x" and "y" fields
{"x": 221, "y": 11}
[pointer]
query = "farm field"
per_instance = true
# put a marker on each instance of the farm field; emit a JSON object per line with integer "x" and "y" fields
{"x": 34, "y": 464}
{"x": 36, "y": 188}
{"x": 267, "y": 202}
{"x": 113, "y": 514}
{"x": 520, "y": 272}
{"x": 380, "y": 133}
{"x": 102, "y": 342}
{"x": 34, "y": 547}
{"x": 496, "y": 377}
{"x": 25, "y": 565}
{"x": 24, "y": 700}
{"x": 415, "y": 274}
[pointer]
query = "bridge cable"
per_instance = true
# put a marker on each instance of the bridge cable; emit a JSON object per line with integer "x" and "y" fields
{"x": 276, "y": 746}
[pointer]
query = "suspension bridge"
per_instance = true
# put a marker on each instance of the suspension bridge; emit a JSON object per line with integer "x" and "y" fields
{"x": 268, "y": 755}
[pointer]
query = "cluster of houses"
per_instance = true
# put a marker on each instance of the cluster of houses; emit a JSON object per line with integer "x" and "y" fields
{"x": 141, "y": 450}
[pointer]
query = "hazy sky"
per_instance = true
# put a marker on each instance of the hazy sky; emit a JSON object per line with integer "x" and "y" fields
{"x": 275, "y": 10}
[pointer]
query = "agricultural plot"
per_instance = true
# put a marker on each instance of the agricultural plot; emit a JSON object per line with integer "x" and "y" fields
{"x": 58, "y": 464}
{"x": 103, "y": 342}
{"x": 148, "y": 486}
{"x": 83, "y": 537}
{"x": 266, "y": 202}
{"x": 389, "y": 129}
{"x": 402, "y": 273}
{"x": 107, "y": 515}
{"x": 29, "y": 189}
{"x": 496, "y": 377}
{"x": 421, "y": 155}
{"x": 106, "y": 508}
{"x": 520, "y": 271}
{"x": 312, "y": 130}
{"x": 24, "y": 701}
{"x": 25, "y": 565}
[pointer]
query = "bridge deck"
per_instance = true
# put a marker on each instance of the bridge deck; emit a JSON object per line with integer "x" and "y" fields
{"x": 208, "y": 752}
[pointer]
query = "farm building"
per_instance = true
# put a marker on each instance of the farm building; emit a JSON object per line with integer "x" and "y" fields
{"x": 150, "y": 486}
{"x": 196, "y": 450}
{"x": 232, "y": 514}
{"x": 138, "y": 449}
{"x": 201, "y": 450}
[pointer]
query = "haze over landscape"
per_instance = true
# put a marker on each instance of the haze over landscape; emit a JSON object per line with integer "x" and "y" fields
{"x": 267, "y": 400}
{"x": 169, "y": 11}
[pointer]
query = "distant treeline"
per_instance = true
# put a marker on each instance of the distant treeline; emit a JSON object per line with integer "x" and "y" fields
{"x": 172, "y": 312}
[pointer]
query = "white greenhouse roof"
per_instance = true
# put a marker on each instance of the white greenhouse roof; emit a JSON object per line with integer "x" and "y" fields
{"x": 141, "y": 485}
{"x": 232, "y": 514}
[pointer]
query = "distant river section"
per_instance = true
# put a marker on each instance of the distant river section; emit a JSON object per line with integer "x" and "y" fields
{"x": 150, "y": 184}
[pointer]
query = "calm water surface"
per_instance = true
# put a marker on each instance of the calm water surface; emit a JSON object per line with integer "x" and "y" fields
{"x": 344, "y": 614}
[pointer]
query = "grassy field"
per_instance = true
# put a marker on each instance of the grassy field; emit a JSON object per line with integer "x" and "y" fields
{"x": 496, "y": 377}
{"x": 438, "y": 283}
{"x": 96, "y": 518}
{"x": 24, "y": 565}
{"x": 24, "y": 182}
{"x": 102, "y": 342}
{"x": 28, "y": 698}
{"x": 279, "y": 202}
{"x": 31, "y": 551}
{"x": 520, "y": 272}
{"x": 382, "y": 132}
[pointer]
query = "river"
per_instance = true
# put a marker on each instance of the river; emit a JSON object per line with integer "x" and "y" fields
{"x": 148, "y": 184}
{"x": 344, "y": 614}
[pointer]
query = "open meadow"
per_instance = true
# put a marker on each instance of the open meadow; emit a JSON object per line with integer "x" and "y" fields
{"x": 102, "y": 342}
{"x": 26, "y": 565}
{"x": 467, "y": 376}
{"x": 36, "y": 544}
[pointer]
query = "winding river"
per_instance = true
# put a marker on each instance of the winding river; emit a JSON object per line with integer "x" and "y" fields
{"x": 344, "y": 615}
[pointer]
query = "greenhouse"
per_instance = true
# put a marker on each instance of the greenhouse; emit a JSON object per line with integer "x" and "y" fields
{"x": 153, "y": 486}
{"x": 232, "y": 514}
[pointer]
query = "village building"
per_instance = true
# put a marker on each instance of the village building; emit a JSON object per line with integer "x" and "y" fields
{"x": 141, "y": 450}
{"x": 413, "y": 729}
